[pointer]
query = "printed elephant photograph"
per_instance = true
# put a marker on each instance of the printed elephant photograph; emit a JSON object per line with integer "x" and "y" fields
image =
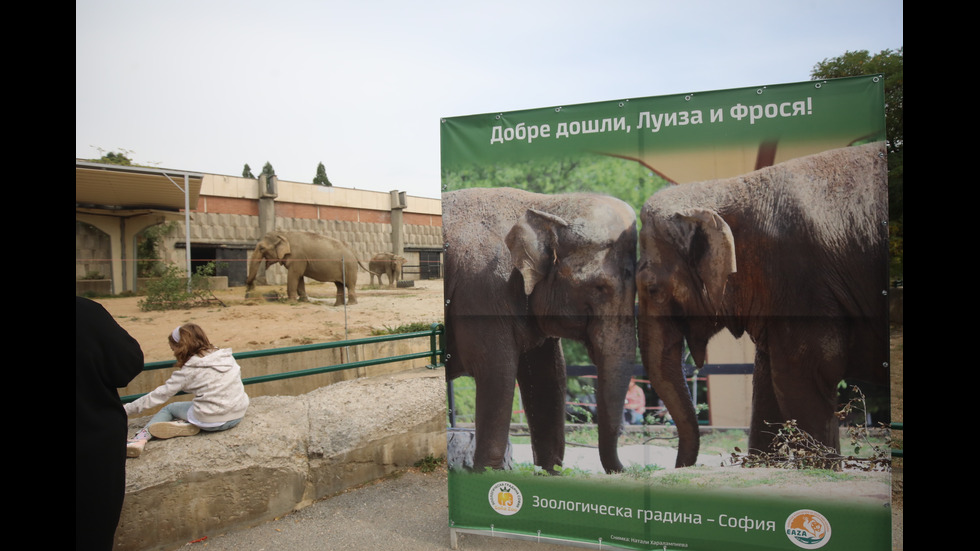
{"x": 306, "y": 254}
{"x": 795, "y": 257}
{"x": 522, "y": 271}
{"x": 386, "y": 264}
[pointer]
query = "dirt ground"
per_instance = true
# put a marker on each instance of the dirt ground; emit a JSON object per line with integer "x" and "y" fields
{"x": 256, "y": 324}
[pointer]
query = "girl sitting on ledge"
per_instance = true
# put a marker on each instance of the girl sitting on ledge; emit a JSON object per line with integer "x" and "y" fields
{"x": 210, "y": 374}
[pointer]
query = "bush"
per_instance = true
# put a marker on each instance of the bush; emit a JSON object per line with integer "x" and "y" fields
{"x": 171, "y": 291}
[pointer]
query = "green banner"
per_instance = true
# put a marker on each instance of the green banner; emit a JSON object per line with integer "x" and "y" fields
{"x": 630, "y": 149}
{"x": 673, "y": 135}
{"x": 617, "y": 513}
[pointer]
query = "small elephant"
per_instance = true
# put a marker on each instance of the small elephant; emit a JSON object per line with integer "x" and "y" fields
{"x": 306, "y": 254}
{"x": 523, "y": 270}
{"x": 387, "y": 264}
{"x": 795, "y": 255}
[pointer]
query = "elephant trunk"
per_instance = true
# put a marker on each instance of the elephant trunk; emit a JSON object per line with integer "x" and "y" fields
{"x": 254, "y": 265}
{"x": 661, "y": 348}
{"x": 614, "y": 361}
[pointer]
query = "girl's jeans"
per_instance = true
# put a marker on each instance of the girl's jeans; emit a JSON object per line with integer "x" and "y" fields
{"x": 178, "y": 410}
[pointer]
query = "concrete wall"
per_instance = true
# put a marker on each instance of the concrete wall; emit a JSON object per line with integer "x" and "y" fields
{"x": 287, "y": 452}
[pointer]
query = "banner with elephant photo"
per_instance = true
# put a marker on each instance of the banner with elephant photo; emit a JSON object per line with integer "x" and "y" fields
{"x": 667, "y": 320}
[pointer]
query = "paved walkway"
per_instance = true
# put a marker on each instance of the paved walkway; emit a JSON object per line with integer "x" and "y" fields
{"x": 408, "y": 513}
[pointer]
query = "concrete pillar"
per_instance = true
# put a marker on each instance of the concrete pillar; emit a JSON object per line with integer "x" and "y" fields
{"x": 268, "y": 191}
{"x": 398, "y": 204}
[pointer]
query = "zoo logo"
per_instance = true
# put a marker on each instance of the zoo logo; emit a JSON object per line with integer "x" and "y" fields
{"x": 505, "y": 498}
{"x": 808, "y": 529}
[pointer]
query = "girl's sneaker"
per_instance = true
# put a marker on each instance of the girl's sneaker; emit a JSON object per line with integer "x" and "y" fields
{"x": 169, "y": 429}
{"x": 135, "y": 447}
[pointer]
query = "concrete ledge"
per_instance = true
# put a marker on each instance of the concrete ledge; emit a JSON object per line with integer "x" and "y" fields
{"x": 286, "y": 453}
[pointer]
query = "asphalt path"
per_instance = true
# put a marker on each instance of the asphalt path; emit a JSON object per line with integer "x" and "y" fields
{"x": 409, "y": 512}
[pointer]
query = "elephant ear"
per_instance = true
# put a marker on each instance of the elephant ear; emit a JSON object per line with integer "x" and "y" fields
{"x": 532, "y": 243}
{"x": 707, "y": 242}
{"x": 282, "y": 246}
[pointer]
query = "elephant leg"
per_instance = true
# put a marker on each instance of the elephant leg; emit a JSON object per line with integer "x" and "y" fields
{"x": 805, "y": 374}
{"x": 292, "y": 286}
{"x": 542, "y": 380}
{"x": 765, "y": 409}
{"x": 340, "y": 294}
{"x": 352, "y": 291}
{"x": 301, "y": 288}
{"x": 494, "y": 405}
{"x": 494, "y": 369}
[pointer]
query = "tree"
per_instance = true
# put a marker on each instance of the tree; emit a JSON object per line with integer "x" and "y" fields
{"x": 889, "y": 64}
{"x": 113, "y": 158}
{"x": 268, "y": 170}
{"x": 321, "y": 176}
{"x": 247, "y": 172}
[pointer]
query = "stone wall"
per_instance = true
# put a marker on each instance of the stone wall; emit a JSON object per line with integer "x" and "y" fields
{"x": 287, "y": 452}
{"x": 92, "y": 251}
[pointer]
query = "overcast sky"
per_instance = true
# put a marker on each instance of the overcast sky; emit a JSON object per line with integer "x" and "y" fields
{"x": 209, "y": 85}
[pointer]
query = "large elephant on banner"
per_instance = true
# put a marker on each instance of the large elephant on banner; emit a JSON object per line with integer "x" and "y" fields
{"x": 522, "y": 271}
{"x": 795, "y": 255}
{"x": 306, "y": 254}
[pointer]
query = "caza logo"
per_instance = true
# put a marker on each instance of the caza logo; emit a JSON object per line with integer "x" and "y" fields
{"x": 505, "y": 498}
{"x": 808, "y": 529}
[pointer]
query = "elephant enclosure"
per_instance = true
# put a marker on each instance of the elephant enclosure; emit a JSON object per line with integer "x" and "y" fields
{"x": 258, "y": 324}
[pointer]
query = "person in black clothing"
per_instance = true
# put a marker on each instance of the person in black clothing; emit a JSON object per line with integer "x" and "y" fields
{"x": 106, "y": 358}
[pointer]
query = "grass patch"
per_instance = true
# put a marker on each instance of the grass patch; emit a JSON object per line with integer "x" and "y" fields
{"x": 406, "y": 328}
{"x": 429, "y": 463}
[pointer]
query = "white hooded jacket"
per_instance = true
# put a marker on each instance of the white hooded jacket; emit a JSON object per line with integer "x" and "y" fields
{"x": 215, "y": 381}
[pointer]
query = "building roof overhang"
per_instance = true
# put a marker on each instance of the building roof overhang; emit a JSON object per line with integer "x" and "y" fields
{"x": 128, "y": 190}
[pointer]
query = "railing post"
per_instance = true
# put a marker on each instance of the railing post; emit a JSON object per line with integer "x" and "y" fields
{"x": 433, "y": 349}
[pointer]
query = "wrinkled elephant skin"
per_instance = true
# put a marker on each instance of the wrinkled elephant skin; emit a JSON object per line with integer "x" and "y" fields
{"x": 306, "y": 254}
{"x": 522, "y": 271}
{"x": 794, "y": 255}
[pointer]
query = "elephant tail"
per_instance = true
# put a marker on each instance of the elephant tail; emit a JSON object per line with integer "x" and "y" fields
{"x": 366, "y": 269}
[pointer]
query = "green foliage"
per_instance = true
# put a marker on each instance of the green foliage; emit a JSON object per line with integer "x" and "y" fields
{"x": 171, "y": 290}
{"x": 149, "y": 263}
{"x": 321, "y": 176}
{"x": 888, "y": 63}
{"x": 406, "y": 328}
{"x": 641, "y": 472}
{"x": 464, "y": 393}
{"x": 116, "y": 159}
{"x": 113, "y": 158}
{"x": 620, "y": 178}
{"x": 429, "y": 463}
{"x": 247, "y": 172}
{"x": 268, "y": 170}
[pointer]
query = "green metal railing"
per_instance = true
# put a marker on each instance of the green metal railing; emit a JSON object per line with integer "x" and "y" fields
{"x": 435, "y": 355}
{"x": 895, "y": 451}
